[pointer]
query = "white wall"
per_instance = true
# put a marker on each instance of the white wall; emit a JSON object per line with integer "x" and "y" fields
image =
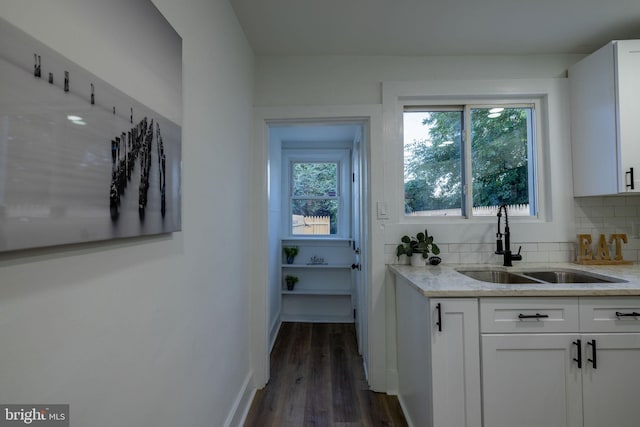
{"x": 153, "y": 331}
{"x": 354, "y": 80}
{"x": 291, "y": 84}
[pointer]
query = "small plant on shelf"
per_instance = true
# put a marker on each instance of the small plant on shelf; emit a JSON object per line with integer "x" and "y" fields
{"x": 421, "y": 244}
{"x": 290, "y": 253}
{"x": 291, "y": 282}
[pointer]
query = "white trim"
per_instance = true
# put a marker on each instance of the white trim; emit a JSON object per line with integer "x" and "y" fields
{"x": 552, "y": 131}
{"x": 404, "y": 411}
{"x": 241, "y": 404}
{"x": 374, "y": 257}
{"x": 273, "y": 331}
{"x": 471, "y": 100}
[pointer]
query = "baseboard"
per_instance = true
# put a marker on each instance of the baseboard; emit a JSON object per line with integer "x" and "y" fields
{"x": 273, "y": 331}
{"x": 241, "y": 404}
{"x": 404, "y": 411}
{"x": 366, "y": 370}
{"x": 392, "y": 381}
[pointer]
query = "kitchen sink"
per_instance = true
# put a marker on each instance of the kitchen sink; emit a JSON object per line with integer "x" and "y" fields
{"x": 497, "y": 276}
{"x": 570, "y": 276}
{"x": 538, "y": 276}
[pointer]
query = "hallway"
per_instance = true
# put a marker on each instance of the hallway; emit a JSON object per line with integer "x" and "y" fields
{"x": 317, "y": 379}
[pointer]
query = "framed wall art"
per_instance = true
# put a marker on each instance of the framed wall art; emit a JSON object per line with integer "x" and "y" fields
{"x": 79, "y": 159}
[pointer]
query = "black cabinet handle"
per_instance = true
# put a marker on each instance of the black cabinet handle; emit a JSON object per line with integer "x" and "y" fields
{"x": 532, "y": 316}
{"x": 594, "y": 361}
{"x": 37, "y": 67}
{"x": 630, "y": 173}
{"x": 439, "y": 322}
{"x": 578, "y": 344}
{"x": 634, "y": 314}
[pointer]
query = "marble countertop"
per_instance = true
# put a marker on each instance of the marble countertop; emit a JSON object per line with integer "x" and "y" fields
{"x": 445, "y": 281}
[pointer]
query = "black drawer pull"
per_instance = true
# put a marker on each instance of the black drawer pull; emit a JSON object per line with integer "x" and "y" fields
{"x": 532, "y": 316}
{"x": 578, "y": 344}
{"x": 594, "y": 361}
{"x": 439, "y": 322}
{"x": 630, "y": 174}
{"x": 634, "y": 314}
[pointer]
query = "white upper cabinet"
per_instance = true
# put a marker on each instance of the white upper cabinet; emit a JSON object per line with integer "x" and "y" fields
{"x": 605, "y": 120}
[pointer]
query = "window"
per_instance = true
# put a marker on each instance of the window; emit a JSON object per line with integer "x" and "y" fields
{"x": 318, "y": 192}
{"x": 466, "y": 160}
{"x": 314, "y": 198}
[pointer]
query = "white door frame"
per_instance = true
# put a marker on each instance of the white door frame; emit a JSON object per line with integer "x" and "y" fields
{"x": 376, "y": 353}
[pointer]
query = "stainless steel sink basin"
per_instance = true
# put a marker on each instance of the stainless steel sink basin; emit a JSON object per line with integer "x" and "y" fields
{"x": 570, "y": 276}
{"x": 497, "y": 276}
{"x": 537, "y": 276}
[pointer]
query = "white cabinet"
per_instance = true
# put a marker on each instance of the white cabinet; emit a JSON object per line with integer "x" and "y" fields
{"x": 438, "y": 359}
{"x": 610, "y": 386}
{"x": 324, "y": 291}
{"x": 610, "y": 389}
{"x": 561, "y": 379}
{"x": 605, "y": 129}
{"x": 529, "y": 315}
{"x": 455, "y": 366}
{"x": 531, "y": 381}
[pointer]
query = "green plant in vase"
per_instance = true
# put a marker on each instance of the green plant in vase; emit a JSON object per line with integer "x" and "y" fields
{"x": 418, "y": 248}
{"x": 291, "y": 282}
{"x": 290, "y": 253}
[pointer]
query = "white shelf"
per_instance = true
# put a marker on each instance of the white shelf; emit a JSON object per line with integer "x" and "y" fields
{"x": 311, "y": 292}
{"x": 325, "y": 290}
{"x": 316, "y": 266}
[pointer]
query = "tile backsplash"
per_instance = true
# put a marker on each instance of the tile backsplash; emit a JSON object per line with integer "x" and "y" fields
{"x": 609, "y": 215}
{"x": 593, "y": 215}
{"x": 483, "y": 253}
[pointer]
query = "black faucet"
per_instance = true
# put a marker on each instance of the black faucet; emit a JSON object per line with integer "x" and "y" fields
{"x": 508, "y": 256}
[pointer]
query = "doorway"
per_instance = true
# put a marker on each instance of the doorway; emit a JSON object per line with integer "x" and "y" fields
{"x": 332, "y": 280}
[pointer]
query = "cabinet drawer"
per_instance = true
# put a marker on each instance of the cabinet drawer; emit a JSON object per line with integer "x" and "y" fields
{"x": 612, "y": 314}
{"x": 528, "y": 315}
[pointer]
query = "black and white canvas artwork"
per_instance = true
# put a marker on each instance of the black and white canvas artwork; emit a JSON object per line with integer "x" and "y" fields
{"x": 79, "y": 160}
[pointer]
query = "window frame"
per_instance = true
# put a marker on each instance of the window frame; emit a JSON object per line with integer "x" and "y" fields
{"x": 466, "y": 103}
{"x": 556, "y": 220}
{"x": 340, "y": 156}
{"x": 466, "y": 166}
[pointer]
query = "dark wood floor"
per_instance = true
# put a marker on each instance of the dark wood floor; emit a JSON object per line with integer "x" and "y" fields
{"x": 317, "y": 379}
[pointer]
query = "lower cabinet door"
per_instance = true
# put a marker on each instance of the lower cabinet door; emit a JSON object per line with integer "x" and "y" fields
{"x": 531, "y": 380}
{"x": 611, "y": 387}
{"x": 455, "y": 363}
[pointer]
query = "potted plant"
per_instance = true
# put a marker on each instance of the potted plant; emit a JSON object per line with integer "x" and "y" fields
{"x": 291, "y": 282}
{"x": 418, "y": 248}
{"x": 290, "y": 253}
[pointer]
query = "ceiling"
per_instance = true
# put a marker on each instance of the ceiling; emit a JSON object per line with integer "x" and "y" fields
{"x": 435, "y": 27}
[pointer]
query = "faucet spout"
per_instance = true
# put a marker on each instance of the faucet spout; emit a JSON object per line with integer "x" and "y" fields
{"x": 499, "y": 249}
{"x": 508, "y": 256}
